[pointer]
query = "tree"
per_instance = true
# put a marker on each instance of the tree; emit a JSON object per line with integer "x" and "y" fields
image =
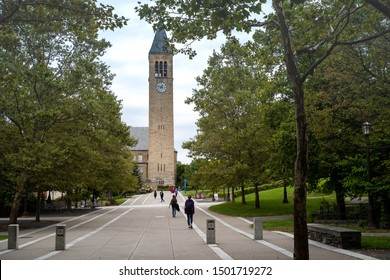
{"x": 341, "y": 98}
{"x": 306, "y": 44}
{"x": 56, "y": 105}
{"x": 180, "y": 173}
{"x": 66, "y": 14}
{"x": 230, "y": 108}
{"x": 137, "y": 174}
{"x": 187, "y": 172}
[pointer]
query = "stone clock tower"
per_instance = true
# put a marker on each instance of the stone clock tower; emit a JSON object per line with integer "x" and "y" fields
{"x": 161, "y": 152}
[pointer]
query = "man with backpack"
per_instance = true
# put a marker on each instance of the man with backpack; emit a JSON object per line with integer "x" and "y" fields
{"x": 189, "y": 209}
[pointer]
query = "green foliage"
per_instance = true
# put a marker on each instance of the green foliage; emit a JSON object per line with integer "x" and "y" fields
{"x": 60, "y": 124}
{"x": 136, "y": 173}
{"x": 162, "y": 188}
{"x": 192, "y": 20}
{"x": 309, "y": 32}
{"x": 231, "y": 108}
{"x": 72, "y": 15}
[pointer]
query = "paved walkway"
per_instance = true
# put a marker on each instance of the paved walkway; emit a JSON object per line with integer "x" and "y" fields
{"x": 144, "y": 229}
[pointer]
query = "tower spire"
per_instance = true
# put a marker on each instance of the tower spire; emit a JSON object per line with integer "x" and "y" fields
{"x": 160, "y": 43}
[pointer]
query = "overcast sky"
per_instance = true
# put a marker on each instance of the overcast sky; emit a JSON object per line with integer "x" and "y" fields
{"x": 128, "y": 60}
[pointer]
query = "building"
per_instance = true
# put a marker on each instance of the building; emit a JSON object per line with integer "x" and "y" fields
{"x": 155, "y": 153}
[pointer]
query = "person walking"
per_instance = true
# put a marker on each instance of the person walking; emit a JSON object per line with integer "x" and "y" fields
{"x": 173, "y": 204}
{"x": 189, "y": 209}
{"x": 162, "y": 196}
{"x": 155, "y": 194}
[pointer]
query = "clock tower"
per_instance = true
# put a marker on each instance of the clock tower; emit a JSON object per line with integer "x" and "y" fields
{"x": 161, "y": 154}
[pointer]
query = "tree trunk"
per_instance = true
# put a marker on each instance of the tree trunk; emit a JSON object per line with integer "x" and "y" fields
{"x": 25, "y": 207}
{"x": 38, "y": 207}
{"x": 243, "y": 193}
{"x": 380, "y": 6}
{"x": 69, "y": 202}
{"x": 340, "y": 197}
{"x": 301, "y": 243}
{"x": 285, "y": 198}
{"x": 228, "y": 194}
{"x": 385, "y": 213}
{"x": 13, "y": 219}
{"x": 257, "y": 198}
{"x": 371, "y": 211}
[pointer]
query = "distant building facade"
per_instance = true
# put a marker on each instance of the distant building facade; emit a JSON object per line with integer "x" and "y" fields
{"x": 154, "y": 152}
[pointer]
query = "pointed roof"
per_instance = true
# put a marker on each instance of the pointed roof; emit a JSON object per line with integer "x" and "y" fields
{"x": 141, "y": 135}
{"x": 160, "y": 45}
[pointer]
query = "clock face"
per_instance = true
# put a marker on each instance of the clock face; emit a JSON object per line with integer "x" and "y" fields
{"x": 161, "y": 87}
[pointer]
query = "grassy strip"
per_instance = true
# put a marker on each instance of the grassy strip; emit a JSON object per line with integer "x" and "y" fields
{"x": 271, "y": 205}
{"x": 376, "y": 242}
{"x": 279, "y": 225}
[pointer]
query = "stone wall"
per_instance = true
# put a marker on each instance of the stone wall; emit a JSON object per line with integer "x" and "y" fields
{"x": 335, "y": 236}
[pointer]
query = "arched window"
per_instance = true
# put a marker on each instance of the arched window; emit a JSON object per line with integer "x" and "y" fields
{"x": 165, "y": 68}
{"x": 160, "y": 68}
{"x": 156, "y": 69}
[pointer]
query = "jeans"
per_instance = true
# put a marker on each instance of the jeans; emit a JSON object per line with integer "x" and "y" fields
{"x": 173, "y": 211}
{"x": 190, "y": 218}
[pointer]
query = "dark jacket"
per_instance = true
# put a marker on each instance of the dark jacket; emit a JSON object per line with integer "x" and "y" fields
{"x": 189, "y": 206}
{"x": 173, "y": 202}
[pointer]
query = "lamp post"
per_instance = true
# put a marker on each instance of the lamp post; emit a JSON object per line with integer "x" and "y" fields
{"x": 367, "y": 131}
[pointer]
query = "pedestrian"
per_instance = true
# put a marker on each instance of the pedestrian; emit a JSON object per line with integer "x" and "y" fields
{"x": 189, "y": 209}
{"x": 173, "y": 204}
{"x": 155, "y": 194}
{"x": 176, "y": 191}
{"x": 162, "y": 196}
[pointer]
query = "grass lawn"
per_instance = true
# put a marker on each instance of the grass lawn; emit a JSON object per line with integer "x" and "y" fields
{"x": 271, "y": 205}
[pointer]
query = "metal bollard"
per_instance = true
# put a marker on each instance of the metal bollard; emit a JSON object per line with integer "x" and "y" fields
{"x": 210, "y": 237}
{"x": 13, "y": 236}
{"x": 60, "y": 236}
{"x": 258, "y": 227}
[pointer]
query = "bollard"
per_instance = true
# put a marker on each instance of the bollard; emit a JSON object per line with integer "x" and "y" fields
{"x": 210, "y": 237}
{"x": 13, "y": 236}
{"x": 60, "y": 236}
{"x": 258, "y": 227}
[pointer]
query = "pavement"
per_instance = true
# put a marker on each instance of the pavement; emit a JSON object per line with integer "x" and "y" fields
{"x": 143, "y": 229}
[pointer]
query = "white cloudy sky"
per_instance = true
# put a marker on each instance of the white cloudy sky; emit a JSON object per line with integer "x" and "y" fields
{"x": 128, "y": 59}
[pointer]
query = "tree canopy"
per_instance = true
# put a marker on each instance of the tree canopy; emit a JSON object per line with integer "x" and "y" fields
{"x": 60, "y": 124}
{"x": 301, "y": 35}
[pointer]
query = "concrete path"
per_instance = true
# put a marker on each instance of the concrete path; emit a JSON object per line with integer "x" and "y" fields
{"x": 144, "y": 229}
